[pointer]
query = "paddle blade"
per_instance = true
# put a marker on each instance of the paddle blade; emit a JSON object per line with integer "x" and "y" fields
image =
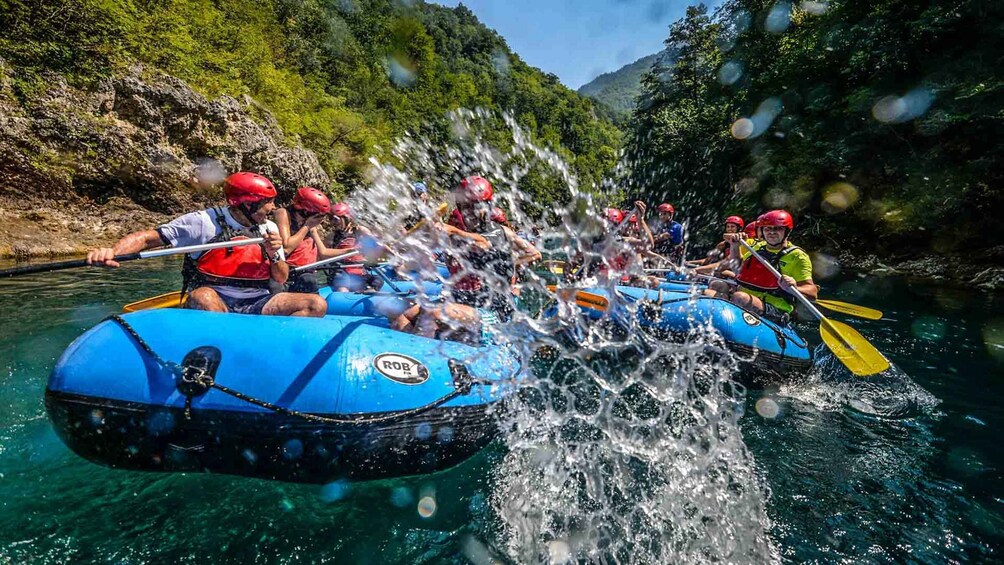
{"x": 852, "y": 349}
{"x": 582, "y": 299}
{"x": 851, "y": 309}
{"x": 169, "y": 300}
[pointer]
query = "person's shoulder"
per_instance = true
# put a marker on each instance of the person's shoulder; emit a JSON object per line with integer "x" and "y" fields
{"x": 198, "y": 217}
{"x": 799, "y": 253}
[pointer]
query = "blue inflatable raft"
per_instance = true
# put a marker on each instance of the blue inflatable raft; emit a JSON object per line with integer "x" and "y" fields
{"x": 767, "y": 351}
{"x": 292, "y": 399}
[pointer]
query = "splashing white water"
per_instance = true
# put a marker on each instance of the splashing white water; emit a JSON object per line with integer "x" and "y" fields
{"x": 621, "y": 448}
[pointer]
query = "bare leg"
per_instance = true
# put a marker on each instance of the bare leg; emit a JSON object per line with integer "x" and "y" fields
{"x": 405, "y": 321}
{"x": 295, "y": 304}
{"x": 719, "y": 287}
{"x": 205, "y": 298}
{"x": 747, "y": 301}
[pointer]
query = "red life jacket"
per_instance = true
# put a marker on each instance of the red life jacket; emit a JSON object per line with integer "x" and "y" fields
{"x": 241, "y": 267}
{"x": 469, "y": 281}
{"x": 306, "y": 252}
{"x": 752, "y": 273}
{"x": 347, "y": 242}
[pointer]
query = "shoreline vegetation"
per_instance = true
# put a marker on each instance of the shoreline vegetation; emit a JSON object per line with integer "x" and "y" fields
{"x": 107, "y": 109}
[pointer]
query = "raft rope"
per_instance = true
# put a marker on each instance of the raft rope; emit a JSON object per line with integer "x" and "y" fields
{"x": 194, "y": 382}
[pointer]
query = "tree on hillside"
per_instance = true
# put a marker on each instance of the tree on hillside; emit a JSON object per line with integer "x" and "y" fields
{"x": 865, "y": 118}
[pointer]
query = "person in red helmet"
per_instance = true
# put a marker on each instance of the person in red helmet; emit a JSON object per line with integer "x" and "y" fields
{"x": 482, "y": 259}
{"x": 617, "y": 249}
{"x": 758, "y": 289}
{"x": 668, "y": 234}
{"x": 296, "y": 224}
{"x": 346, "y": 236}
{"x": 498, "y": 216}
{"x": 721, "y": 251}
{"x": 751, "y": 230}
{"x": 232, "y": 279}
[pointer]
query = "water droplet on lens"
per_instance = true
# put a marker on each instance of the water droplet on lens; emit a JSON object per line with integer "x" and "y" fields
{"x": 292, "y": 449}
{"x": 423, "y": 431}
{"x": 814, "y": 8}
{"x": 160, "y": 423}
{"x": 767, "y": 408}
{"x": 427, "y": 507}
{"x": 779, "y": 18}
{"x": 993, "y": 338}
{"x": 888, "y": 109}
{"x": 401, "y": 497}
{"x": 335, "y": 491}
{"x": 838, "y": 197}
{"x": 730, "y": 72}
{"x": 742, "y": 128}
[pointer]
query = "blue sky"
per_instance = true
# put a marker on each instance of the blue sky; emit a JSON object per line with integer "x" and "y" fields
{"x": 580, "y": 39}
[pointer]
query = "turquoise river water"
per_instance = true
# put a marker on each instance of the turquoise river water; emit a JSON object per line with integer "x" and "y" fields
{"x": 904, "y": 470}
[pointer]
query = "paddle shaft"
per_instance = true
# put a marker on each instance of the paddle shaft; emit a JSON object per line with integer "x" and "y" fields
{"x": 76, "y": 263}
{"x": 313, "y": 266}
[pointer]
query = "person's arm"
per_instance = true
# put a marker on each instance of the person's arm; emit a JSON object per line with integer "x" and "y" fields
{"x": 474, "y": 238}
{"x": 290, "y": 241}
{"x": 132, "y": 243}
{"x": 274, "y": 253}
{"x": 526, "y": 252}
{"x": 646, "y": 234}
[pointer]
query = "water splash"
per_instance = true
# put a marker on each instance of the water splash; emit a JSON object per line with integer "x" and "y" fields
{"x": 619, "y": 446}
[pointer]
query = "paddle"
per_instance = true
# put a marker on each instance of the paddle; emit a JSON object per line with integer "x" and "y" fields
{"x": 849, "y": 347}
{"x": 61, "y": 265}
{"x": 832, "y": 305}
{"x": 317, "y": 264}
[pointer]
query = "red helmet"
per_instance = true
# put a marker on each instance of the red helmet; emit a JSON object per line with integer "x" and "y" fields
{"x": 498, "y": 215}
{"x": 341, "y": 210}
{"x": 751, "y": 229}
{"x": 311, "y": 200}
{"x": 667, "y": 208}
{"x": 633, "y": 218}
{"x": 735, "y": 220}
{"x": 246, "y": 188}
{"x": 613, "y": 215}
{"x": 474, "y": 189}
{"x": 777, "y": 218}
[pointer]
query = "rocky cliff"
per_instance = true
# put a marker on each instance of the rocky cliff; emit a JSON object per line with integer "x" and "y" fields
{"x": 80, "y": 166}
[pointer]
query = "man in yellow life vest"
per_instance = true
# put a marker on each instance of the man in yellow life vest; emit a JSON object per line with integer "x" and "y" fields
{"x": 758, "y": 290}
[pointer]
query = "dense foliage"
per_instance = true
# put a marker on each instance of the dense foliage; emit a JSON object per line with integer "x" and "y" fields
{"x": 617, "y": 91}
{"x": 878, "y": 121}
{"x": 343, "y": 77}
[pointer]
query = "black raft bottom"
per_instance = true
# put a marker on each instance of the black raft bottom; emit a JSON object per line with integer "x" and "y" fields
{"x": 127, "y": 435}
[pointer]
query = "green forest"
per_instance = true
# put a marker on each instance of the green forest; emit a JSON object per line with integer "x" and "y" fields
{"x": 343, "y": 77}
{"x": 878, "y": 123}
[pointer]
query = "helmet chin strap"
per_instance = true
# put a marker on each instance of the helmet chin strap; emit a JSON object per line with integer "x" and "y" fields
{"x": 248, "y": 212}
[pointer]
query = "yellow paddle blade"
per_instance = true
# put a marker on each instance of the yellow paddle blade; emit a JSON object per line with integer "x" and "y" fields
{"x": 850, "y": 309}
{"x": 169, "y": 300}
{"x": 851, "y": 348}
{"x": 582, "y": 299}
{"x": 554, "y": 267}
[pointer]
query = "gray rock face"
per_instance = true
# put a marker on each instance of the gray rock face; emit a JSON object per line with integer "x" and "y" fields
{"x": 143, "y": 136}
